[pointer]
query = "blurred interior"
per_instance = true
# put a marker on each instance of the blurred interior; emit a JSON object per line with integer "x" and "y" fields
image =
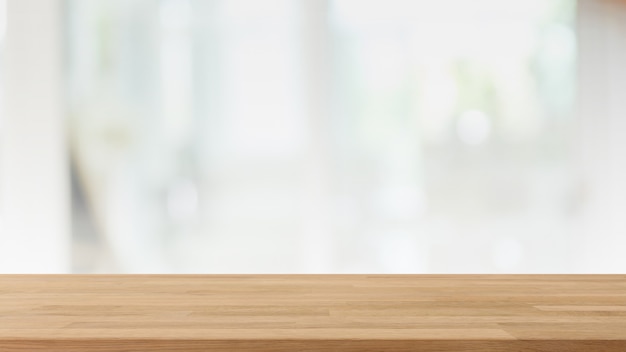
{"x": 313, "y": 136}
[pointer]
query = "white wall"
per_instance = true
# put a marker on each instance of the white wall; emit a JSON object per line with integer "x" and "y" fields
{"x": 602, "y": 113}
{"x": 33, "y": 162}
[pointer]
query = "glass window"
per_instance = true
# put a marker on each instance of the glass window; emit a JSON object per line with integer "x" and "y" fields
{"x": 322, "y": 135}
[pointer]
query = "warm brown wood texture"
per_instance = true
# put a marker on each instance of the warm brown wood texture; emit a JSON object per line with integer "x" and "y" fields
{"x": 424, "y": 313}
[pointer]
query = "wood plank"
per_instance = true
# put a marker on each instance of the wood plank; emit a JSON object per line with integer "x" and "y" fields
{"x": 313, "y": 313}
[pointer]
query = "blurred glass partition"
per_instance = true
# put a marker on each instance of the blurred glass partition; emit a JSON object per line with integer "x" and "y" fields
{"x": 297, "y": 136}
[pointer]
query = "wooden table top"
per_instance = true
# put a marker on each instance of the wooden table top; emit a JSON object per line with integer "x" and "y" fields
{"x": 424, "y": 313}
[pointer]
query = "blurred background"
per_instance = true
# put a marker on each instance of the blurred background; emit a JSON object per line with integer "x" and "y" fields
{"x": 313, "y": 136}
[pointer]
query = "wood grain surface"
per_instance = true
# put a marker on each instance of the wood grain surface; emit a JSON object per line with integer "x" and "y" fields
{"x": 425, "y": 313}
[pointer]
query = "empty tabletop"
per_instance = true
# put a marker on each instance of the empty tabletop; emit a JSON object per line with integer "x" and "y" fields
{"x": 313, "y": 313}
